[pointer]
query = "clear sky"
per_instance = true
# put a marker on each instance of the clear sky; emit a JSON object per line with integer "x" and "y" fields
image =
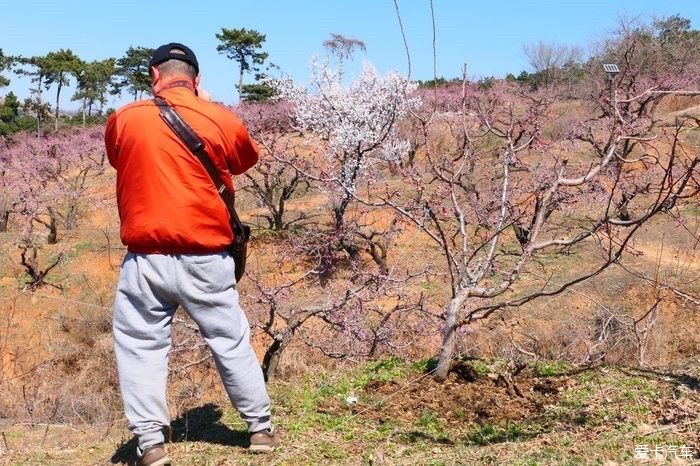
{"x": 488, "y": 35}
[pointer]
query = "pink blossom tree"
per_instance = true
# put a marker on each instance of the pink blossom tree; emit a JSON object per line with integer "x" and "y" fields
{"x": 362, "y": 315}
{"x": 46, "y": 180}
{"x": 8, "y": 201}
{"x": 48, "y": 176}
{"x": 273, "y": 182}
{"x": 490, "y": 180}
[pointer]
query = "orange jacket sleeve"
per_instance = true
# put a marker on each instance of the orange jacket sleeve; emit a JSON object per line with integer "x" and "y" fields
{"x": 111, "y": 140}
{"x": 245, "y": 151}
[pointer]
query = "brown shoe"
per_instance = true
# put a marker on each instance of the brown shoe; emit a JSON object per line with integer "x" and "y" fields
{"x": 154, "y": 456}
{"x": 264, "y": 441}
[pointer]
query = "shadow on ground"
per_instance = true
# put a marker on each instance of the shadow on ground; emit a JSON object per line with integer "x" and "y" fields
{"x": 201, "y": 424}
{"x": 691, "y": 382}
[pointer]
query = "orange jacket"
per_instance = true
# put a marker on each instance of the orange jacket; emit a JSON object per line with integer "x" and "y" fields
{"x": 167, "y": 202}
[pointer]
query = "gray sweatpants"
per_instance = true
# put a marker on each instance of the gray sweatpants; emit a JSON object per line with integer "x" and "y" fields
{"x": 151, "y": 286}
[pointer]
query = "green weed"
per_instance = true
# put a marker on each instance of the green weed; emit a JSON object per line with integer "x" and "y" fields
{"x": 428, "y": 420}
{"x": 385, "y": 370}
{"x": 490, "y": 433}
{"x": 429, "y": 286}
{"x": 479, "y": 366}
{"x": 550, "y": 368}
{"x": 331, "y": 450}
{"x": 424, "y": 365}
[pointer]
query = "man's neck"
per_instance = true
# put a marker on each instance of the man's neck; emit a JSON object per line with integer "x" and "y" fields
{"x": 170, "y": 82}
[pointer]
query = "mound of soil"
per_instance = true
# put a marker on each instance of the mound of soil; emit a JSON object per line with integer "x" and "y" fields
{"x": 463, "y": 398}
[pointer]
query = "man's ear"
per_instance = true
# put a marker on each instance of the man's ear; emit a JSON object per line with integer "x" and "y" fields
{"x": 197, "y": 79}
{"x": 155, "y": 75}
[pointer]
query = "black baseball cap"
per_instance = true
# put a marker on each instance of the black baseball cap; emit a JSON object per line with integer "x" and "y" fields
{"x": 164, "y": 53}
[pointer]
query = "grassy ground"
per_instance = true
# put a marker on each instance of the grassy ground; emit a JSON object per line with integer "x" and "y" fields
{"x": 546, "y": 414}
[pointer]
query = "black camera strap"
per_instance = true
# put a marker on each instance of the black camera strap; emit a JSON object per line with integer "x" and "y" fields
{"x": 196, "y": 146}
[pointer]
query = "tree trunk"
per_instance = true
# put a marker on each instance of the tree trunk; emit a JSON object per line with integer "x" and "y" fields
{"x": 379, "y": 254}
{"x": 240, "y": 86}
{"x": 278, "y": 224}
{"x": 273, "y": 354}
{"x": 53, "y": 228}
{"x": 339, "y": 212}
{"x": 38, "y": 111}
{"x": 279, "y": 216}
{"x": 4, "y": 219}
{"x": 58, "y": 95}
{"x": 72, "y": 215}
{"x": 31, "y": 266}
{"x": 448, "y": 338}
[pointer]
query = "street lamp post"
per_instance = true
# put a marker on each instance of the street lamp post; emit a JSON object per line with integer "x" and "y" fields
{"x": 612, "y": 70}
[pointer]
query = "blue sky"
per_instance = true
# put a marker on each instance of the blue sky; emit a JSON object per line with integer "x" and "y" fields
{"x": 487, "y": 35}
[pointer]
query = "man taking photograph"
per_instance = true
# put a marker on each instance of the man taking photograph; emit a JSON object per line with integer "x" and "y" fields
{"x": 176, "y": 229}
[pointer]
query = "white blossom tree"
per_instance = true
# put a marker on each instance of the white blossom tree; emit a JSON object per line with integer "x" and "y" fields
{"x": 354, "y": 128}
